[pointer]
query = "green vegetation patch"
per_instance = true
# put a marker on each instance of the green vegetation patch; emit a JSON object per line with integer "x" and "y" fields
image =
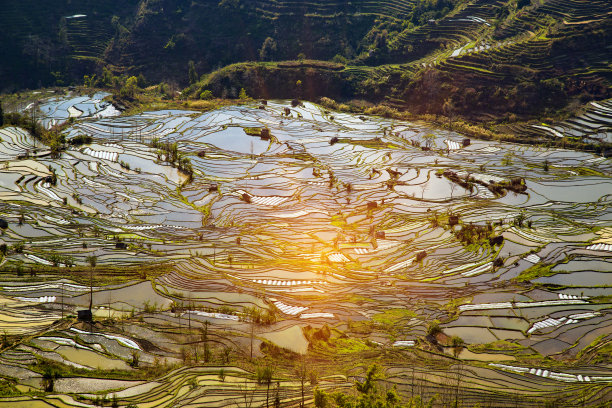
{"x": 376, "y": 143}
{"x": 496, "y": 346}
{"x": 536, "y": 271}
{"x": 392, "y": 316}
{"x": 350, "y": 345}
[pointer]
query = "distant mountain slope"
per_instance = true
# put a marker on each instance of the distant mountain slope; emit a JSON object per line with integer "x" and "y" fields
{"x": 49, "y": 42}
{"x": 135, "y": 36}
{"x": 484, "y": 60}
{"x": 479, "y": 59}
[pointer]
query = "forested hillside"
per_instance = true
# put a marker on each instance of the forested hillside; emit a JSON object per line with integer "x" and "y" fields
{"x": 479, "y": 59}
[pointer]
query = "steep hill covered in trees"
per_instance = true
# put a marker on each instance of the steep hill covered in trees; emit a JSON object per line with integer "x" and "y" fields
{"x": 478, "y": 59}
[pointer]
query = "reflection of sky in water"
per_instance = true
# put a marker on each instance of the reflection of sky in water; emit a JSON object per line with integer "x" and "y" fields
{"x": 236, "y": 161}
{"x": 55, "y": 110}
{"x": 585, "y": 279}
{"x": 585, "y": 189}
{"x": 234, "y": 139}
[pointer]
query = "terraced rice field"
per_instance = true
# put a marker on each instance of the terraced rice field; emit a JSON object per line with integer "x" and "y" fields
{"x": 334, "y": 220}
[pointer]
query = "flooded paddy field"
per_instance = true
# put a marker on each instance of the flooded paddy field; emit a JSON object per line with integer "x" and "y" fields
{"x": 453, "y": 258}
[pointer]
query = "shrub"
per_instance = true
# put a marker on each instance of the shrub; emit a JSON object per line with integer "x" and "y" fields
{"x": 433, "y": 328}
{"x": 18, "y": 247}
{"x": 49, "y": 375}
{"x": 80, "y": 140}
{"x": 135, "y": 359}
{"x": 320, "y": 399}
{"x": 457, "y": 343}
{"x": 206, "y": 95}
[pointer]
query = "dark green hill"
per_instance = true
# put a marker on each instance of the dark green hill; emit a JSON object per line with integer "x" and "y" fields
{"x": 55, "y": 42}
{"x": 478, "y": 59}
{"x": 483, "y": 60}
{"x": 159, "y": 37}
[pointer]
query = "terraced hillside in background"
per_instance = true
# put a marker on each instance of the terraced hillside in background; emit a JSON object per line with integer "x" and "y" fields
{"x": 64, "y": 41}
{"x": 486, "y": 61}
{"x": 55, "y": 42}
{"x": 296, "y": 243}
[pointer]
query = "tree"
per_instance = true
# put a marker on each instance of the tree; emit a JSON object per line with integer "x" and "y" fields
{"x": 107, "y": 77}
{"x": 369, "y": 385}
{"x": 89, "y": 81}
{"x": 62, "y": 32}
{"x": 380, "y": 41}
{"x": 1, "y": 115}
{"x": 142, "y": 81}
{"x": 277, "y": 401}
{"x": 264, "y": 376}
{"x": 429, "y": 140}
{"x": 226, "y": 355}
{"x": 229, "y": 4}
{"x": 448, "y": 109}
{"x": 433, "y": 328}
{"x": 206, "y": 95}
{"x": 457, "y": 343}
{"x": 129, "y": 88}
{"x": 50, "y": 374}
{"x": 193, "y": 75}
{"x": 424, "y": 187}
{"x": 207, "y": 353}
{"x": 268, "y": 49}
{"x": 507, "y": 160}
{"x": 320, "y": 399}
{"x": 243, "y": 95}
{"x": 369, "y": 394}
{"x": 93, "y": 260}
{"x": 302, "y": 372}
{"x": 248, "y": 399}
{"x": 135, "y": 359}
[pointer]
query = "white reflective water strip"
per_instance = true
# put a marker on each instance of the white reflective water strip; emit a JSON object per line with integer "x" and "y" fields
{"x": 338, "y": 257}
{"x": 290, "y": 310}
{"x": 315, "y": 315}
{"x": 452, "y": 145}
{"x": 404, "y": 343}
{"x": 214, "y": 315}
{"x": 600, "y": 247}
{"x": 42, "y": 299}
{"x": 484, "y": 268}
{"x": 122, "y": 340}
{"x": 399, "y": 265}
{"x": 533, "y": 258}
{"x": 506, "y": 305}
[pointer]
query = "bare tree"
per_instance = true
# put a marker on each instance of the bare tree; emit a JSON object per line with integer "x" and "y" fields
{"x": 62, "y": 297}
{"x": 429, "y": 140}
{"x": 93, "y": 260}
{"x": 457, "y": 385}
{"x": 457, "y": 343}
{"x": 246, "y": 395}
{"x": 301, "y": 371}
{"x": 423, "y": 189}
